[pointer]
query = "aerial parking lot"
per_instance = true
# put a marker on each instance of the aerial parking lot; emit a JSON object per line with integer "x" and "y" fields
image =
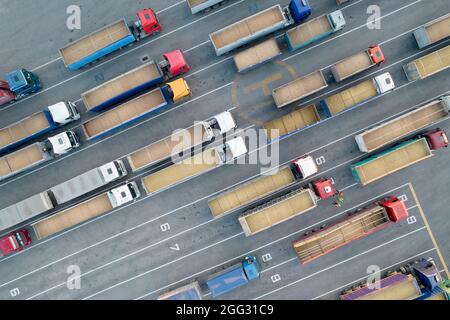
{"x": 103, "y": 197}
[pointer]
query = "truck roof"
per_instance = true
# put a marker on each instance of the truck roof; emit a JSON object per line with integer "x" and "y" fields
{"x": 225, "y": 121}
{"x": 227, "y": 280}
{"x": 237, "y": 147}
{"x": 8, "y": 244}
{"x": 437, "y": 139}
{"x": 176, "y": 61}
{"x": 16, "y": 80}
{"x": 307, "y": 166}
{"x": 396, "y": 209}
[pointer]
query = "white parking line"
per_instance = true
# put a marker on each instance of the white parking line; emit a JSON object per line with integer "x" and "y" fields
{"x": 382, "y": 270}
{"x": 340, "y": 263}
{"x": 170, "y": 7}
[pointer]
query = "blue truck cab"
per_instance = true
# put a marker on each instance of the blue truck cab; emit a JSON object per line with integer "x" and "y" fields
{"x": 22, "y": 83}
{"x": 430, "y": 280}
{"x": 300, "y": 10}
{"x": 235, "y": 276}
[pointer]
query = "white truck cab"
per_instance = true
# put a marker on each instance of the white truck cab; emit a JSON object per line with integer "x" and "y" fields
{"x": 124, "y": 194}
{"x": 384, "y": 83}
{"x": 64, "y": 112}
{"x": 113, "y": 170}
{"x": 232, "y": 149}
{"x": 337, "y": 20}
{"x": 306, "y": 167}
{"x": 64, "y": 142}
{"x": 225, "y": 122}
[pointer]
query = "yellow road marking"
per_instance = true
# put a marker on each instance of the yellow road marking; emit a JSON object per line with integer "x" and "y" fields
{"x": 264, "y": 84}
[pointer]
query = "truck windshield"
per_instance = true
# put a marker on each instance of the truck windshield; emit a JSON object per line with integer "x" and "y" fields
{"x": 133, "y": 193}
{"x": 28, "y": 77}
{"x": 71, "y": 139}
{"x": 19, "y": 239}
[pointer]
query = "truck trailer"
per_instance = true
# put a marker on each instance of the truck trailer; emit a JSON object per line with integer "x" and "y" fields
{"x": 86, "y": 210}
{"x": 352, "y": 97}
{"x": 285, "y": 207}
{"x": 194, "y": 166}
{"x": 182, "y": 140}
{"x": 234, "y": 277}
{"x": 134, "y": 81}
{"x": 314, "y": 30}
{"x": 113, "y": 37}
{"x": 134, "y": 110}
{"x": 257, "y": 55}
{"x": 259, "y": 25}
{"x": 191, "y": 291}
{"x": 364, "y": 222}
{"x": 357, "y": 63}
{"x": 259, "y": 188}
{"x": 420, "y": 280}
{"x": 398, "y": 157}
{"x": 399, "y": 127}
{"x": 198, "y": 6}
{"x": 19, "y": 84}
{"x": 299, "y": 89}
{"x": 36, "y": 125}
{"x": 428, "y": 65}
{"x": 37, "y": 153}
{"x": 433, "y": 31}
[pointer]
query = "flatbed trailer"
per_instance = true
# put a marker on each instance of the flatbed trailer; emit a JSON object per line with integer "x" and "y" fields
{"x": 191, "y": 291}
{"x": 299, "y": 89}
{"x": 277, "y": 211}
{"x": 428, "y": 65}
{"x": 433, "y": 31}
{"x": 257, "y": 55}
{"x": 198, "y": 6}
{"x": 401, "y": 126}
{"x": 293, "y": 122}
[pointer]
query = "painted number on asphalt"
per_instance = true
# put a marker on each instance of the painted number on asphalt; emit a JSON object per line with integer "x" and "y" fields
{"x": 176, "y": 247}
{"x": 411, "y": 219}
{"x": 267, "y": 257}
{"x": 320, "y": 160}
{"x": 14, "y": 292}
{"x": 99, "y": 77}
{"x": 165, "y": 227}
{"x": 275, "y": 278}
{"x": 403, "y": 197}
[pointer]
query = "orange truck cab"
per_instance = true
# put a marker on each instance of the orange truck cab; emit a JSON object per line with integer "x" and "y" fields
{"x": 376, "y": 54}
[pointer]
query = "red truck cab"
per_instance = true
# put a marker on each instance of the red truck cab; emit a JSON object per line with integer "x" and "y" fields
{"x": 324, "y": 188}
{"x": 6, "y": 95}
{"x": 395, "y": 209}
{"x": 376, "y": 54}
{"x": 437, "y": 139}
{"x": 148, "y": 22}
{"x": 15, "y": 241}
{"x": 174, "y": 63}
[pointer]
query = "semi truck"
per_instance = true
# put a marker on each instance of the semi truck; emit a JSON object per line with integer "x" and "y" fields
{"x": 257, "y": 55}
{"x": 398, "y": 157}
{"x": 261, "y": 187}
{"x": 433, "y": 31}
{"x": 86, "y": 210}
{"x": 285, "y": 207}
{"x": 37, "y": 153}
{"x": 357, "y": 63}
{"x": 134, "y": 81}
{"x": 194, "y": 166}
{"x": 233, "y": 277}
{"x": 198, "y": 6}
{"x": 401, "y": 126}
{"x": 314, "y": 30}
{"x": 364, "y": 222}
{"x": 113, "y": 37}
{"x": 419, "y": 280}
{"x": 38, "y": 124}
{"x": 428, "y": 65}
{"x": 191, "y": 291}
{"x": 196, "y": 135}
{"x": 19, "y": 84}
{"x": 259, "y": 25}
{"x": 352, "y": 97}
{"x": 134, "y": 110}
{"x": 299, "y": 89}
{"x": 62, "y": 193}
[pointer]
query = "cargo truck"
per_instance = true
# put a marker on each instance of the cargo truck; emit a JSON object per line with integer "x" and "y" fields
{"x": 234, "y": 277}
{"x": 132, "y": 82}
{"x": 19, "y": 84}
{"x": 108, "y": 39}
{"x": 353, "y": 97}
{"x": 38, "y": 124}
{"x": 420, "y": 280}
{"x": 428, "y": 65}
{"x": 134, "y": 110}
{"x": 262, "y": 186}
{"x": 433, "y": 31}
{"x": 15, "y": 242}
{"x": 357, "y": 63}
{"x": 198, "y": 6}
{"x": 196, "y": 135}
{"x": 398, "y": 157}
{"x": 194, "y": 166}
{"x": 314, "y": 30}
{"x": 191, "y": 291}
{"x": 399, "y": 127}
{"x": 285, "y": 207}
{"x": 364, "y": 222}
{"x": 257, "y": 55}
{"x": 299, "y": 89}
{"x": 86, "y": 210}
{"x": 37, "y": 153}
{"x": 259, "y": 25}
